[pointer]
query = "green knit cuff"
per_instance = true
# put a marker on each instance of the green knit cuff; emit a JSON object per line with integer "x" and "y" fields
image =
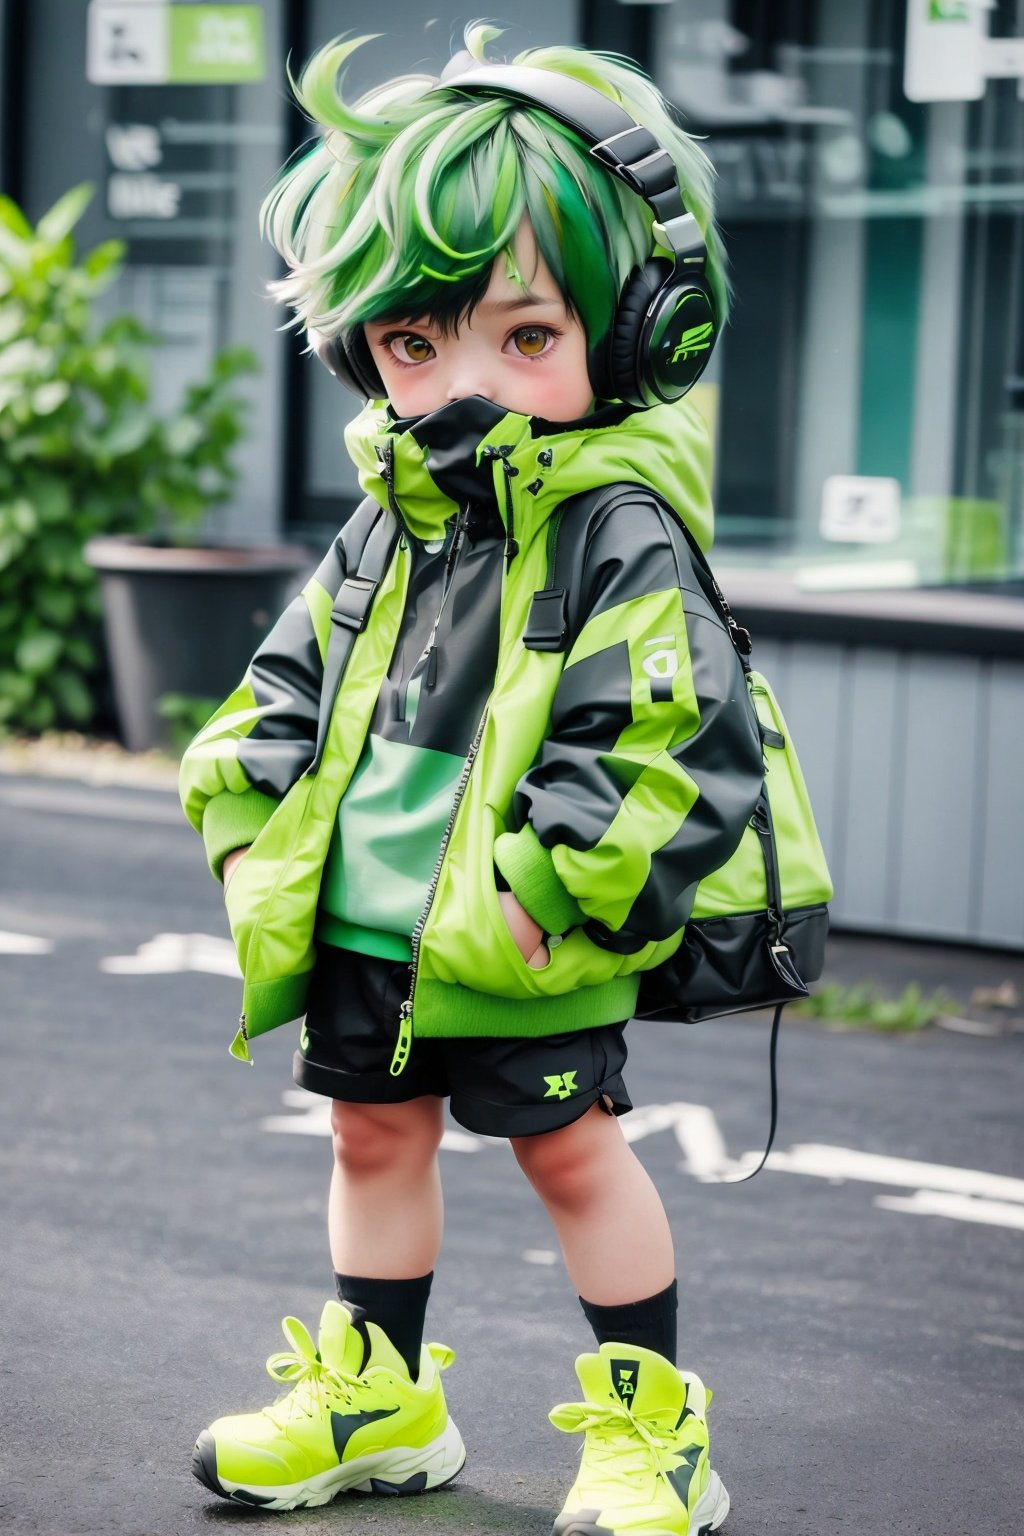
{"x": 529, "y": 869}
{"x": 233, "y": 821}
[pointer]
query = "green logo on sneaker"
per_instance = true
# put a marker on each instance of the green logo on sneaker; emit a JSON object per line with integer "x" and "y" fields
{"x": 303, "y": 1040}
{"x": 624, "y": 1379}
{"x": 561, "y": 1086}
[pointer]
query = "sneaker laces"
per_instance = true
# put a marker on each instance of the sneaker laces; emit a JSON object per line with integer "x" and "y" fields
{"x": 312, "y": 1381}
{"x": 621, "y": 1445}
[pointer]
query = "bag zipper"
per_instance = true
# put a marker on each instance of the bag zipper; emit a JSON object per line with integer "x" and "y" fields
{"x": 403, "y": 1046}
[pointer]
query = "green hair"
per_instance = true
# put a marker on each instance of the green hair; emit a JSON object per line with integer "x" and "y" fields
{"x": 402, "y": 206}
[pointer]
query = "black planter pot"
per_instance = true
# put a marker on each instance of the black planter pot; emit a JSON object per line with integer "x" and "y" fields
{"x": 185, "y": 620}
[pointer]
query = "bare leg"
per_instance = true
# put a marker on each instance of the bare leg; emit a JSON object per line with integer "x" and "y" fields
{"x": 609, "y": 1218}
{"x": 386, "y": 1213}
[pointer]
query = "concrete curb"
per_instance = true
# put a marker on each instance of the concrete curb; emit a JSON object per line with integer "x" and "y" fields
{"x": 87, "y": 760}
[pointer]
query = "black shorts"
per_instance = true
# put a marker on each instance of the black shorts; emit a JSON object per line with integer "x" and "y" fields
{"x": 497, "y": 1087}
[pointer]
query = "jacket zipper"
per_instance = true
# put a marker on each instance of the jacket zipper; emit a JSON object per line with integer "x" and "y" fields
{"x": 430, "y": 649}
{"x": 403, "y": 1047}
{"x": 239, "y": 1047}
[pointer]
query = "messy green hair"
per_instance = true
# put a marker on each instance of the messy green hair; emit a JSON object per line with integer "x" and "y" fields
{"x": 401, "y": 207}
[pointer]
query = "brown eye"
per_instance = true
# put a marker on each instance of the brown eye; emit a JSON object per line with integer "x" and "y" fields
{"x": 411, "y": 349}
{"x": 530, "y": 340}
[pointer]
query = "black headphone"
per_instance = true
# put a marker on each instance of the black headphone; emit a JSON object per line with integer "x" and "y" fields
{"x": 665, "y": 324}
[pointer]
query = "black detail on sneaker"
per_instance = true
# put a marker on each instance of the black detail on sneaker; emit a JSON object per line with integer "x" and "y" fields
{"x": 243, "y": 1496}
{"x": 204, "y": 1467}
{"x": 414, "y": 1484}
{"x": 580, "y": 1522}
{"x": 625, "y": 1374}
{"x": 358, "y": 1316}
{"x": 204, "y": 1464}
{"x": 681, "y": 1477}
{"x": 344, "y": 1425}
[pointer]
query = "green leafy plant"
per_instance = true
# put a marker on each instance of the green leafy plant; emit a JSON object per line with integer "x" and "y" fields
{"x": 865, "y": 1007}
{"x": 82, "y": 453}
{"x": 186, "y": 713}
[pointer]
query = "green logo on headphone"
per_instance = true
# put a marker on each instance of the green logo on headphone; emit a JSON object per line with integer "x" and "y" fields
{"x": 696, "y": 339}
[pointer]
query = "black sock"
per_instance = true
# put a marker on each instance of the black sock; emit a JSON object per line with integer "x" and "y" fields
{"x": 399, "y": 1307}
{"x": 650, "y": 1323}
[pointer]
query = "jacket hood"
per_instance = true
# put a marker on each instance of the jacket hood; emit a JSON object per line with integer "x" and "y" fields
{"x": 473, "y": 449}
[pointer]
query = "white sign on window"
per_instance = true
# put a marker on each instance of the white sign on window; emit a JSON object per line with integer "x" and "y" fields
{"x": 860, "y": 509}
{"x": 128, "y": 44}
{"x": 949, "y": 54}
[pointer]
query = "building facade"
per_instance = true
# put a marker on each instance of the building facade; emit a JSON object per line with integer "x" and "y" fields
{"x": 866, "y": 400}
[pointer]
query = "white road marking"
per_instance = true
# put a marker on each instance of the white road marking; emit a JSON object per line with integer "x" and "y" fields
{"x": 999, "y": 1341}
{"x": 539, "y": 1256}
{"x": 314, "y": 1119}
{"x": 696, "y": 1131}
{"x": 935, "y": 1202}
{"x": 24, "y": 944}
{"x": 959, "y": 1194}
{"x": 874, "y": 1168}
{"x": 173, "y": 952}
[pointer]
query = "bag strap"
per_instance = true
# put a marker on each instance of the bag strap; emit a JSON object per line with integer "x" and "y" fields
{"x": 349, "y": 617}
{"x": 550, "y": 626}
{"x": 772, "y": 1052}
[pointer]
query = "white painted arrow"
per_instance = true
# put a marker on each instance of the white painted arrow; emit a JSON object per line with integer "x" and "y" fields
{"x": 24, "y": 944}
{"x": 960, "y": 1194}
{"x": 875, "y": 1168}
{"x": 695, "y": 1129}
{"x": 314, "y": 1119}
{"x": 934, "y": 1202}
{"x": 169, "y": 953}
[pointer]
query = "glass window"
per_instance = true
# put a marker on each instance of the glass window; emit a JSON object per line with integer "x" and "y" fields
{"x": 868, "y": 394}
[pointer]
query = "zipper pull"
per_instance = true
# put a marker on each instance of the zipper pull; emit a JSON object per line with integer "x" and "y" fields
{"x": 431, "y": 678}
{"x": 239, "y": 1047}
{"x": 403, "y": 1047}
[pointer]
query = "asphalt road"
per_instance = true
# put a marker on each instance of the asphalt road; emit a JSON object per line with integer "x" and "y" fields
{"x": 859, "y": 1318}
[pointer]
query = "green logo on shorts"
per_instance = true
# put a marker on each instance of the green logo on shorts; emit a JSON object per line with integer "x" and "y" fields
{"x": 562, "y": 1086}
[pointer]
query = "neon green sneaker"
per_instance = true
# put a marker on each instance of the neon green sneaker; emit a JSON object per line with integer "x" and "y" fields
{"x": 352, "y": 1421}
{"x": 645, "y": 1469}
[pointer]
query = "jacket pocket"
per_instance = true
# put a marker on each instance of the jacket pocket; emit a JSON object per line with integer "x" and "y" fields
{"x": 468, "y": 942}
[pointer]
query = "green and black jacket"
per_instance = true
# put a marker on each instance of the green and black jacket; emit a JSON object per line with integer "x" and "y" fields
{"x": 602, "y": 782}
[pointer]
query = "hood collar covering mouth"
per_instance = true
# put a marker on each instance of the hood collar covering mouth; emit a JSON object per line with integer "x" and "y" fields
{"x": 471, "y": 449}
{"x": 449, "y": 438}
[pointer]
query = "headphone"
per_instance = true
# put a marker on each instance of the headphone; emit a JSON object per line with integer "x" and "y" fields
{"x": 665, "y": 323}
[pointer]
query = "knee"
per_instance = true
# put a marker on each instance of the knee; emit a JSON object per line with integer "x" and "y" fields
{"x": 563, "y": 1166}
{"x": 372, "y": 1139}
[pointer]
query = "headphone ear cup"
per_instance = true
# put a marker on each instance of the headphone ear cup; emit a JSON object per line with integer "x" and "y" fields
{"x": 623, "y": 365}
{"x": 347, "y": 356}
{"x": 677, "y": 340}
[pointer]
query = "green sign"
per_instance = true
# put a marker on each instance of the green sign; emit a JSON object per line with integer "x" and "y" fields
{"x": 215, "y": 43}
{"x": 949, "y": 10}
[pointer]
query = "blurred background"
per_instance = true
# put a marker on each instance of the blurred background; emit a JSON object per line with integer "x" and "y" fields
{"x": 866, "y": 401}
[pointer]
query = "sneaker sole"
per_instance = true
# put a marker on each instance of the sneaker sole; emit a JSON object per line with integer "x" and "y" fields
{"x": 401, "y": 1471}
{"x": 707, "y": 1514}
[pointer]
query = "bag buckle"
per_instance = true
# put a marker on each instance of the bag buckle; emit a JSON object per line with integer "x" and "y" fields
{"x": 353, "y": 602}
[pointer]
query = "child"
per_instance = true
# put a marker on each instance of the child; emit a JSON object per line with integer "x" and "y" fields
{"x": 459, "y": 865}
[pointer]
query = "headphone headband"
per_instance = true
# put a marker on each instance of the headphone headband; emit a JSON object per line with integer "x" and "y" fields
{"x": 665, "y": 323}
{"x": 615, "y": 138}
